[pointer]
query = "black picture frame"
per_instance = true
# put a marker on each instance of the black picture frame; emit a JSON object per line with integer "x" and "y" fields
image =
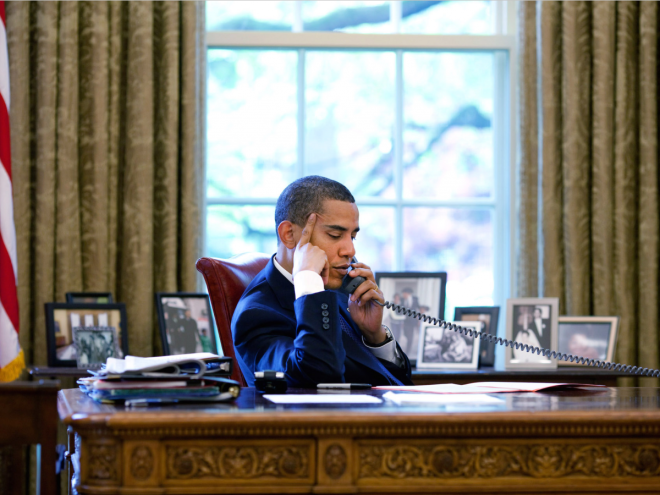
{"x": 479, "y": 313}
{"x": 82, "y": 297}
{"x": 407, "y": 330}
{"x": 61, "y": 349}
{"x": 171, "y": 308}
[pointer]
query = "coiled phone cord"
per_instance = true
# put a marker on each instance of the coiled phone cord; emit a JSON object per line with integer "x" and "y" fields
{"x": 635, "y": 370}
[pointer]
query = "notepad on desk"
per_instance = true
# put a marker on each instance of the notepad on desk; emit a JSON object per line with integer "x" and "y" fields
{"x": 485, "y": 387}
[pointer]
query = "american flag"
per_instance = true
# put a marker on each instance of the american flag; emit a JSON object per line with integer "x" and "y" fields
{"x": 11, "y": 356}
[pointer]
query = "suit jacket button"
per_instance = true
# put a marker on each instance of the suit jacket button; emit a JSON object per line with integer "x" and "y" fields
{"x": 326, "y": 319}
{"x": 325, "y": 313}
{"x": 326, "y": 326}
{"x": 324, "y": 306}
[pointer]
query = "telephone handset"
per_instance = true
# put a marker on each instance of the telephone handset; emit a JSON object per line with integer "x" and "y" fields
{"x": 349, "y": 284}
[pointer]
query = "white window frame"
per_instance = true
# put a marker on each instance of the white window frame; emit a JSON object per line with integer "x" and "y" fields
{"x": 503, "y": 203}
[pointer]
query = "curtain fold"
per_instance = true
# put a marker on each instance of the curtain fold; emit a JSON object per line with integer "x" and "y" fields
{"x": 107, "y": 151}
{"x": 596, "y": 102}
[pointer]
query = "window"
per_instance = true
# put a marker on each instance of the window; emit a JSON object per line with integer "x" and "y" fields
{"x": 409, "y": 106}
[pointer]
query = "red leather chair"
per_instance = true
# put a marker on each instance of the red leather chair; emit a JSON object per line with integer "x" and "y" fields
{"x": 226, "y": 281}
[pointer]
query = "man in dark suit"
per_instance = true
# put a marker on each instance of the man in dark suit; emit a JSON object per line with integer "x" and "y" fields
{"x": 539, "y": 326}
{"x": 291, "y": 318}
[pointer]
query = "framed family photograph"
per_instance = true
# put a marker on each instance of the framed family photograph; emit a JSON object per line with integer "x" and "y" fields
{"x": 591, "y": 337}
{"x": 89, "y": 297}
{"x": 445, "y": 349}
{"x": 94, "y": 345}
{"x": 419, "y": 291}
{"x": 487, "y": 317}
{"x": 64, "y": 320}
{"x": 531, "y": 321}
{"x": 186, "y": 323}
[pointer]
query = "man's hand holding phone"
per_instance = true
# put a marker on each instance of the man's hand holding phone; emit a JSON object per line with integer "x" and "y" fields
{"x": 309, "y": 257}
{"x": 366, "y": 314}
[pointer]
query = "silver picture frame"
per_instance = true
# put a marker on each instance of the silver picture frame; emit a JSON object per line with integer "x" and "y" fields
{"x": 445, "y": 349}
{"x": 592, "y": 337}
{"x": 531, "y": 321}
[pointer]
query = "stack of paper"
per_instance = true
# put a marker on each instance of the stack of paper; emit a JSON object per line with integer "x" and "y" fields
{"x": 184, "y": 377}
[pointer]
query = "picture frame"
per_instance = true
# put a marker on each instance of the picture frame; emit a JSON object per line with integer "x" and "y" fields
{"x": 489, "y": 318}
{"x": 95, "y": 345}
{"x": 445, "y": 349}
{"x": 89, "y": 297}
{"x": 592, "y": 337}
{"x": 531, "y": 321}
{"x": 186, "y": 323}
{"x": 61, "y": 318}
{"x": 423, "y": 292}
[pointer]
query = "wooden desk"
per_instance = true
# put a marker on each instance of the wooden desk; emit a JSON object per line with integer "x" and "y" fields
{"x": 589, "y": 441}
{"x": 563, "y": 374}
{"x": 28, "y": 416}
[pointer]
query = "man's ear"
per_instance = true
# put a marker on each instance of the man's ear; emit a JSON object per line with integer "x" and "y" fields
{"x": 286, "y": 232}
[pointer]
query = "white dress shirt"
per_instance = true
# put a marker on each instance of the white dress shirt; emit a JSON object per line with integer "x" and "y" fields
{"x": 309, "y": 282}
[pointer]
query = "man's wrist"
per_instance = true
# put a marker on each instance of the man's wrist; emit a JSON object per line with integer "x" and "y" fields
{"x": 383, "y": 338}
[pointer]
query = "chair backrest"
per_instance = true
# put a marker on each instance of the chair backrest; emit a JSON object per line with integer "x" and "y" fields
{"x": 226, "y": 281}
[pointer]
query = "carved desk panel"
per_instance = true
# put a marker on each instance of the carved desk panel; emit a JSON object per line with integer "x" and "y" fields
{"x": 590, "y": 441}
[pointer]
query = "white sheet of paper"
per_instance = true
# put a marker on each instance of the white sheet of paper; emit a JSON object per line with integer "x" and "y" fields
{"x": 322, "y": 399}
{"x": 421, "y": 398}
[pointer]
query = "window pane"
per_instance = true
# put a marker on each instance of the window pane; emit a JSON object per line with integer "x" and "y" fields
{"x": 232, "y": 230}
{"x": 350, "y": 119}
{"x": 249, "y": 16}
{"x": 448, "y": 136}
{"x": 457, "y": 241}
{"x": 466, "y": 17}
{"x": 374, "y": 244}
{"x": 251, "y": 122}
{"x": 349, "y": 17}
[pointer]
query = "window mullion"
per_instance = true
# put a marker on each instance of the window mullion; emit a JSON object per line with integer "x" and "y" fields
{"x": 395, "y": 16}
{"x": 398, "y": 163}
{"x": 297, "y": 18}
{"x": 300, "y": 168}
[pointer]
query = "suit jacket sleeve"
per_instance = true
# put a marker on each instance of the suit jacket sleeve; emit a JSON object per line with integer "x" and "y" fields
{"x": 266, "y": 338}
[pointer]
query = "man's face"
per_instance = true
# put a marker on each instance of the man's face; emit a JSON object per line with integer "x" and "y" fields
{"x": 334, "y": 232}
{"x": 537, "y": 313}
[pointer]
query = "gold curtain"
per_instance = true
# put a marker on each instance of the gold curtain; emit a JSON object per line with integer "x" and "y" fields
{"x": 106, "y": 135}
{"x": 589, "y": 140}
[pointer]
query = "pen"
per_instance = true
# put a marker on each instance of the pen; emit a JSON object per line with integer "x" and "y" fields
{"x": 346, "y": 386}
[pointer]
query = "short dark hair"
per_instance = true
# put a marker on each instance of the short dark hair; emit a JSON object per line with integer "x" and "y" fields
{"x": 305, "y": 196}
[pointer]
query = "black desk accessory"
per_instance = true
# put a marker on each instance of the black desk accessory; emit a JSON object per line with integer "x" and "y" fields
{"x": 270, "y": 382}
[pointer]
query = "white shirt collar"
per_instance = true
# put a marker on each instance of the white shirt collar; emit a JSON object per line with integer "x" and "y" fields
{"x": 282, "y": 270}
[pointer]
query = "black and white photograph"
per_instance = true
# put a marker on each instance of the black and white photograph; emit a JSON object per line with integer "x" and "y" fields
{"x": 487, "y": 317}
{"x": 590, "y": 337}
{"x": 62, "y": 318}
{"x": 186, "y": 323}
{"x": 89, "y": 297}
{"x": 532, "y": 322}
{"x": 443, "y": 348}
{"x": 95, "y": 345}
{"x": 418, "y": 291}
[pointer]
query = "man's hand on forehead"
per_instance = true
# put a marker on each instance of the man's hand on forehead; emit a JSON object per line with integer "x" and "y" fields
{"x": 309, "y": 257}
